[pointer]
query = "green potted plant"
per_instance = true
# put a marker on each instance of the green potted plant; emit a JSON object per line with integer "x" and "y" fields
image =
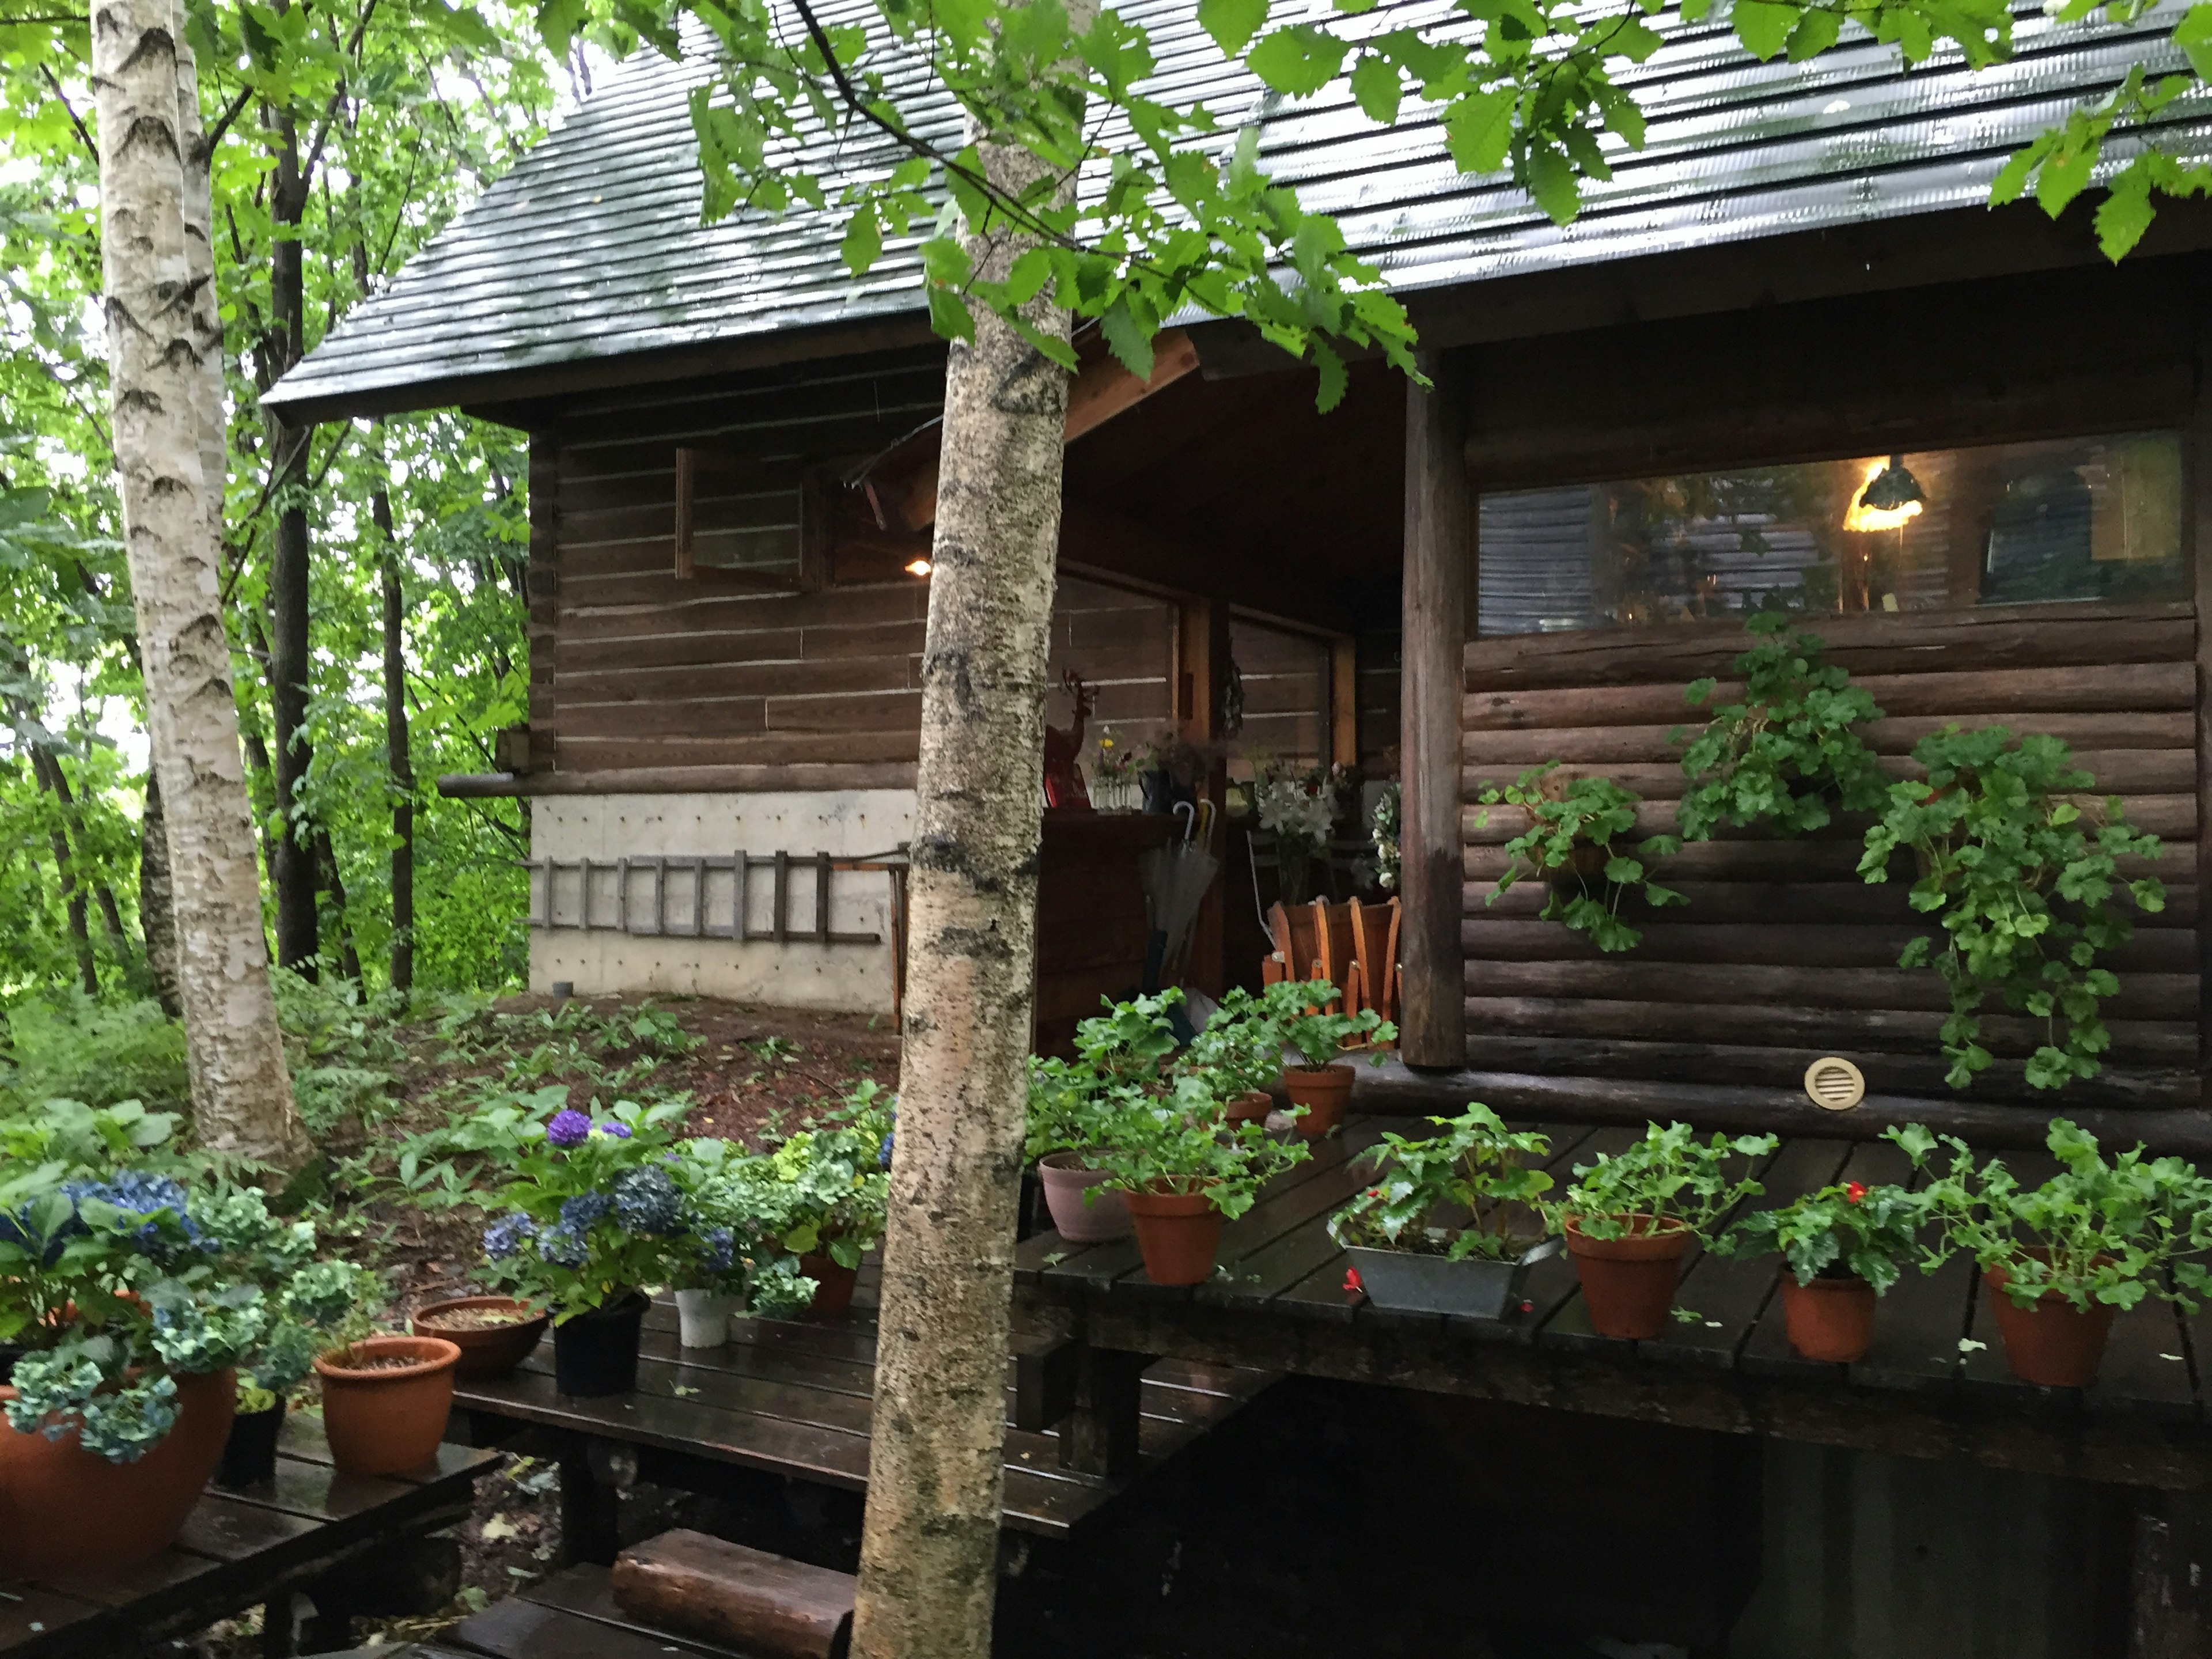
{"x": 825, "y": 1186}
{"x": 1844, "y": 1247}
{"x": 1182, "y": 1172}
{"x": 2058, "y": 1258}
{"x": 1239, "y": 1053}
{"x": 1449, "y": 1224}
{"x": 1630, "y": 1216}
{"x": 1126, "y": 1051}
{"x": 731, "y": 1261}
{"x": 2019, "y": 867}
{"x": 1573, "y": 824}
{"x": 1300, "y": 1014}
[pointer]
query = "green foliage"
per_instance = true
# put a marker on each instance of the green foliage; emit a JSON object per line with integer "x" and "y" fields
{"x": 90, "y": 1140}
{"x": 1298, "y": 1014}
{"x": 1239, "y": 1050}
{"x": 1848, "y": 1230}
{"x": 1180, "y": 1145}
{"x": 821, "y": 1190}
{"x": 1571, "y": 829}
{"x": 2098, "y": 1231}
{"x": 63, "y": 1045}
{"x": 2019, "y": 869}
{"x": 1668, "y": 1175}
{"x": 1456, "y": 1194}
{"x": 1782, "y": 753}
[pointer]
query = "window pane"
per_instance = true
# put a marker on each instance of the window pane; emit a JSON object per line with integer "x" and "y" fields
{"x": 2077, "y": 518}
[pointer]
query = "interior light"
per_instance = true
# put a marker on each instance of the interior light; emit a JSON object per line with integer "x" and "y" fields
{"x": 917, "y": 567}
{"x": 1888, "y": 498}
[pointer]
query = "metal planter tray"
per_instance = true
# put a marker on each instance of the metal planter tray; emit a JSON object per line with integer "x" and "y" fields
{"x": 1430, "y": 1284}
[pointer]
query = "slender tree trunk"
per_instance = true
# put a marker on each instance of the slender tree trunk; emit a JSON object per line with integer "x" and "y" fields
{"x": 157, "y": 916}
{"x": 937, "y": 1458}
{"x": 332, "y": 881}
{"x": 48, "y": 774}
{"x": 399, "y": 763}
{"x": 158, "y": 279}
{"x": 111, "y": 914}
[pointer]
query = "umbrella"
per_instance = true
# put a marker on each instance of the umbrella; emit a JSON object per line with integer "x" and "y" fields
{"x": 1177, "y": 877}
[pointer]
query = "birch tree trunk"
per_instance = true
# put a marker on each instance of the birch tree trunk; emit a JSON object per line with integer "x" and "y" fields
{"x": 165, "y": 391}
{"x": 937, "y": 1457}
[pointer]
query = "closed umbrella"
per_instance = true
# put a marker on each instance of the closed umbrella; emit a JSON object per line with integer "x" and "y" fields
{"x": 1177, "y": 877}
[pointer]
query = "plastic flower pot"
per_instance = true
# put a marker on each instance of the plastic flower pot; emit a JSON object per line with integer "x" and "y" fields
{"x": 595, "y": 1353}
{"x": 249, "y": 1456}
{"x": 1250, "y": 1107}
{"x": 833, "y": 1285}
{"x": 703, "y": 1317}
{"x": 1079, "y": 1220}
{"x": 1430, "y": 1284}
{"x": 1177, "y": 1234}
{"x": 487, "y": 1349}
{"x": 1324, "y": 1091}
{"x": 1628, "y": 1283}
{"x": 2053, "y": 1344}
{"x": 1830, "y": 1320}
{"x": 66, "y": 1510}
{"x": 386, "y": 1401}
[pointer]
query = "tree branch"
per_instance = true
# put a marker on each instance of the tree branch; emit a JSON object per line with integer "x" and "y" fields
{"x": 214, "y": 134}
{"x": 75, "y": 120}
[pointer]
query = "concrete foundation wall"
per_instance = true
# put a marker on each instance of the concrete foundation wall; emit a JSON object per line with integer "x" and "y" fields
{"x": 603, "y": 959}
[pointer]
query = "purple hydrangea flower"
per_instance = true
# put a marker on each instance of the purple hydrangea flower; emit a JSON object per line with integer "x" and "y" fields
{"x": 569, "y": 1128}
{"x": 508, "y": 1234}
{"x": 614, "y": 1131}
{"x": 883, "y": 1152}
{"x": 563, "y": 1248}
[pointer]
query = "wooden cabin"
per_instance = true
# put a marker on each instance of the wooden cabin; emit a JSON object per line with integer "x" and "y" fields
{"x": 1642, "y": 427}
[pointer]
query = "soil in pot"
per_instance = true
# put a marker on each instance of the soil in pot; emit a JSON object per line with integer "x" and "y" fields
{"x": 386, "y": 1401}
{"x": 249, "y": 1456}
{"x": 63, "y": 1510}
{"x": 1628, "y": 1283}
{"x": 1830, "y": 1320}
{"x": 595, "y": 1353}
{"x": 1177, "y": 1234}
{"x": 1083, "y": 1211}
{"x": 494, "y": 1334}
{"x": 833, "y": 1285}
{"x": 1324, "y": 1091}
{"x": 2053, "y": 1344}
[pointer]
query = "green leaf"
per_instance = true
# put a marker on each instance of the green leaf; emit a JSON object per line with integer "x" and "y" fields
{"x": 1816, "y": 31}
{"x": 1763, "y": 26}
{"x": 864, "y": 240}
{"x": 1298, "y": 61}
{"x": 1334, "y": 379}
{"x": 2193, "y": 34}
{"x": 1479, "y": 131}
{"x": 1232, "y": 23}
{"x": 2122, "y": 218}
{"x": 1128, "y": 339}
{"x": 1376, "y": 86}
{"x": 1551, "y": 182}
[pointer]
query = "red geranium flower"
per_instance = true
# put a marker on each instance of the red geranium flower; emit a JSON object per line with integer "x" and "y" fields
{"x": 1352, "y": 1282}
{"x": 1855, "y": 1191}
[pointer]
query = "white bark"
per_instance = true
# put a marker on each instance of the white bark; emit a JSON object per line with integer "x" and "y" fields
{"x": 161, "y": 382}
{"x": 937, "y": 1470}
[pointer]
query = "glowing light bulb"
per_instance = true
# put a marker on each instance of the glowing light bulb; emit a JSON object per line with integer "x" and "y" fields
{"x": 917, "y": 567}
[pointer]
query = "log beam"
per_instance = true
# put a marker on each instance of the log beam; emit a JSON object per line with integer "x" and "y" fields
{"x": 2197, "y": 527}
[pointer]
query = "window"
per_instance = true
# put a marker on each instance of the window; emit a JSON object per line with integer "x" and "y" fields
{"x": 741, "y": 521}
{"x": 2077, "y": 518}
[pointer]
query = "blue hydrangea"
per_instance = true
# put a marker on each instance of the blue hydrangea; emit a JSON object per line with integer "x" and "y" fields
{"x": 883, "y": 1152}
{"x": 647, "y": 1202}
{"x": 569, "y": 1128}
{"x": 135, "y": 1192}
{"x": 719, "y": 1250}
{"x": 508, "y": 1234}
{"x": 563, "y": 1248}
{"x": 585, "y": 1212}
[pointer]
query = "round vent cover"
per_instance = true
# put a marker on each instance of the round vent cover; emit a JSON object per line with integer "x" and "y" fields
{"x": 1835, "y": 1083}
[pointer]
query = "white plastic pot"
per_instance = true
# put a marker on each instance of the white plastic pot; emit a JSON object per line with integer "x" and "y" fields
{"x": 705, "y": 1317}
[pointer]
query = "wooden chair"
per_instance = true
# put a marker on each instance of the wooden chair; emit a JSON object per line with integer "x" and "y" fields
{"x": 1352, "y": 945}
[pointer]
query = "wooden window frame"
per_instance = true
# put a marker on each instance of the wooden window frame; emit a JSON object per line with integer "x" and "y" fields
{"x": 814, "y": 530}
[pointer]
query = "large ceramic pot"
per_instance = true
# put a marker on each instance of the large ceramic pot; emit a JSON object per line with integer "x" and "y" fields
{"x": 1177, "y": 1234}
{"x": 595, "y": 1353}
{"x": 2053, "y": 1344}
{"x": 833, "y": 1285}
{"x": 1083, "y": 1211}
{"x": 1830, "y": 1320}
{"x": 1628, "y": 1283}
{"x": 1324, "y": 1091}
{"x": 490, "y": 1347}
{"x": 64, "y": 1509}
{"x": 386, "y": 1401}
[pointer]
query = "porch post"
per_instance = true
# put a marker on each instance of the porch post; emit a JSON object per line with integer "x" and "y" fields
{"x": 1439, "y": 526}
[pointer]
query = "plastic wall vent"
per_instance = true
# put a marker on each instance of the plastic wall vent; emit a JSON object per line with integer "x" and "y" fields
{"x": 1835, "y": 1083}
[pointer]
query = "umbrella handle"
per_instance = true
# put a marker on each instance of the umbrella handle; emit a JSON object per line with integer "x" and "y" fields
{"x": 1189, "y": 820}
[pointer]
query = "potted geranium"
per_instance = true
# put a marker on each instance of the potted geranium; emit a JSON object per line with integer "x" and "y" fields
{"x": 1448, "y": 1225}
{"x": 1239, "y": 1051}
{"x": 1843, "y": 1246}
{"x": 1124, "y": 1053}
{"x": 1182, "y": 1172}
{"x": 823, "y": 1189}
{"x": 593, "y": 1217}
{"x": 1304, "y": 1017}
{"x": 2058, "y": 1258}
{"x": 1630, "y": 1216}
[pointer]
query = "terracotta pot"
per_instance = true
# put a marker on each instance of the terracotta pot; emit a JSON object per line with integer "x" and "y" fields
{"x": 387, "y": 1421}
{"x": 595, "y": 1353}
{"x": 833, "y": 1288}
{"x": 1081, "y": 1219}
{"x": 1324, "y": 1091}
{"x": 487, "y": 1351}
{"x": 1177, "y": 1234}
{"x": 63, "y": 1510}
{"x": 1250, "y": 1107}
{"x": 2053, "y": 1344}
{"x": 1628, "y": 1284}
{"x": 1829, "y": 1319}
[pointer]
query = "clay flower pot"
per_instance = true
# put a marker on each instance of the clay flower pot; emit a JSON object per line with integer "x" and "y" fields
{"x": 833, "y": 1285}
{"x": 1324, "y": 1091}
{"x": 66, "y": 1510}
{"x": 1250, "y": 1107}
{"x": 1830, "y": 1320}
{"x": 1628, "y": 1284}
{"x": 2053, "y": 1344}
{"x": 1083, "y": 1212}
{"x": 1177, "y": 1234}
{"x": 487, "y": 1349}
{"x": 386, "y": 1401}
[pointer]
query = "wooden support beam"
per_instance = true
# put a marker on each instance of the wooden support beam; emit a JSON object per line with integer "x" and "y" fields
{"x": 1100, "y": 1435}
{"x": 1201, "y": 661}
{"x": 2170, "y": 1598}
{"x": 2196, "y": 460}
{"x": 1439, "y": 542}
{"x": 1344, "y": 701}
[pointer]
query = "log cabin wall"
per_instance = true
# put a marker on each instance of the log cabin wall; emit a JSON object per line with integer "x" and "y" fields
{"x": 1783, "y": 953}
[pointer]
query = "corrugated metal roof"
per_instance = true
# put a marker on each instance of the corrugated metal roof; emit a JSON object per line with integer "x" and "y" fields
{"x": 591, "y": 248}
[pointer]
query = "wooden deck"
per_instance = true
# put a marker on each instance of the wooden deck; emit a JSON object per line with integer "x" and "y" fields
{"x": 1935, "y": 1385}
{"x": 794, "y": 1398}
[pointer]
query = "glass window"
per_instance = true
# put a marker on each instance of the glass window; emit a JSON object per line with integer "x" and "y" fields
{"x": 2077, "y": 518}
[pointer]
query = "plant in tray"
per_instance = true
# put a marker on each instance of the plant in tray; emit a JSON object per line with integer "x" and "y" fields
{"x": 1449, "y": 1224}
{"x": 1183, "y": 1171}
{"x": 1843, "y": 1246}
{"x": 2058, "y": 1258}
{"x": 1630, "y": 1216}
{"x": 1573, "y": 824}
